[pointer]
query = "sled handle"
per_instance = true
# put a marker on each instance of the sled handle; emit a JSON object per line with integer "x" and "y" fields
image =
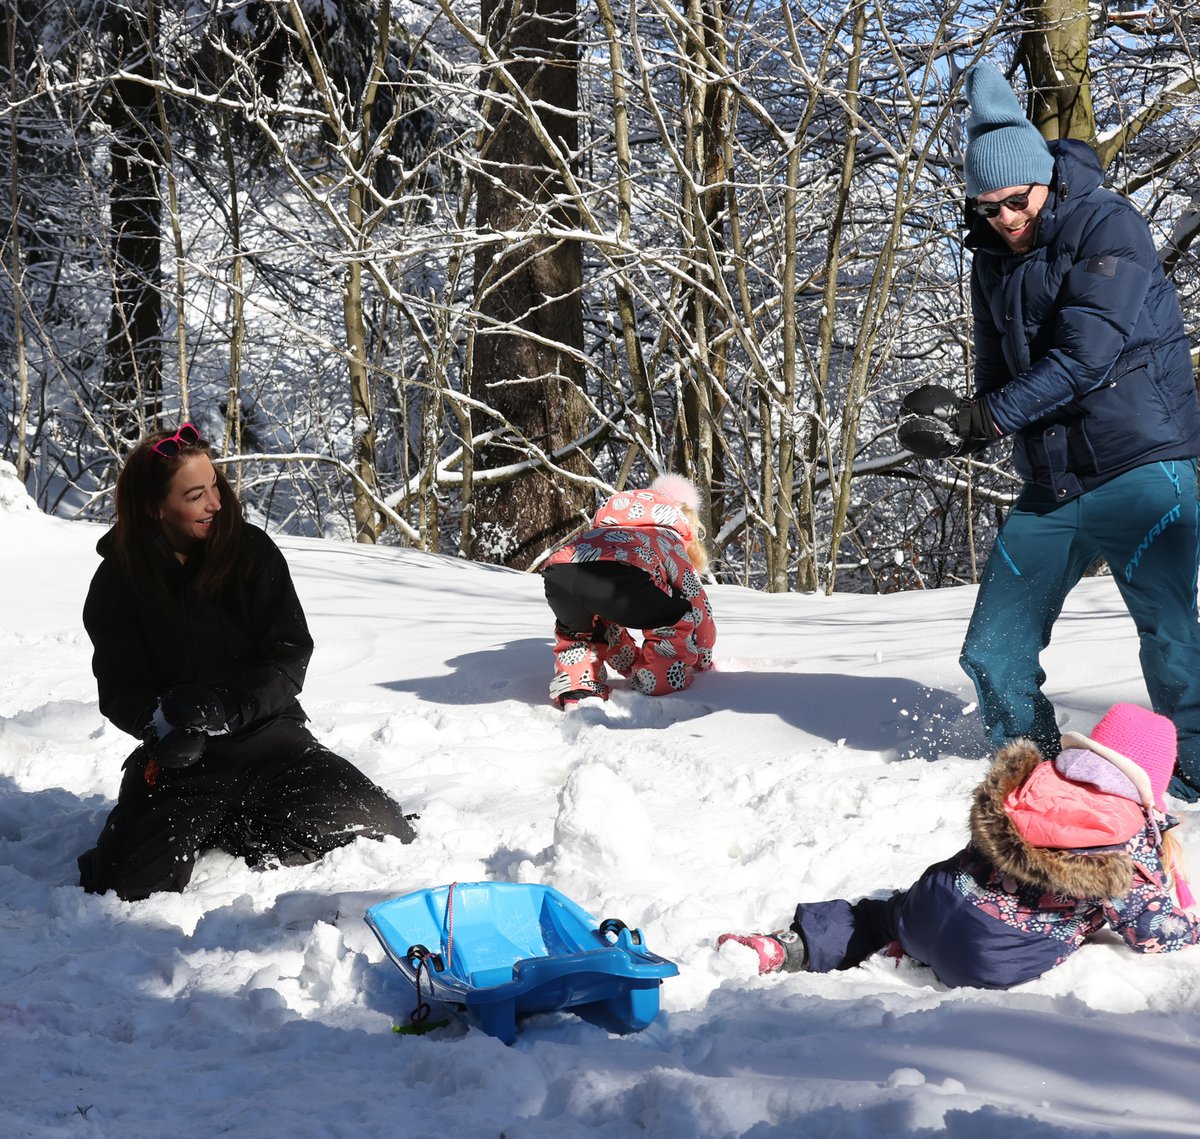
{"x": 614, "y": 927}
{"x": 419, "y": 953}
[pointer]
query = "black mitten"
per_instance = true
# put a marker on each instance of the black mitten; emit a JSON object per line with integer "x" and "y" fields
{"x": 210, "y": 710}
{"x": 179, "y": 748}
{"x": 935, "y": 423}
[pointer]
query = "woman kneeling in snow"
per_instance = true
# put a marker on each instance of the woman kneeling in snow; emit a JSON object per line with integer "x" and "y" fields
{"x": 201, "y": 646}
{"x": 637, "y": 568}
{"x": 1058, "y": 850}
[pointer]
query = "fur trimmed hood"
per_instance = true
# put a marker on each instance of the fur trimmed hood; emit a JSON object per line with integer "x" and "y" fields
{"x": 1071, "y": 873}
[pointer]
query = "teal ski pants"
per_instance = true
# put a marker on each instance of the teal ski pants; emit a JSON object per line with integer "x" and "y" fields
{"x": 1145, "y": 523}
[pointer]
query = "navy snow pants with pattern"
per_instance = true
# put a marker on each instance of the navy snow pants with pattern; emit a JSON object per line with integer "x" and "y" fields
{"x": 934, "y": 923}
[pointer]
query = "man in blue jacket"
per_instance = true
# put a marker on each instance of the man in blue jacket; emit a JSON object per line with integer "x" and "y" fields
{"x": 1081, "y": 356}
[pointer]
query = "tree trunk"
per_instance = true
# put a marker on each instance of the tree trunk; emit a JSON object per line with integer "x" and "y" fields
{"x": 167, "y": 158}
{"x": 362, "y": 395}
{"x": 778, "y": 478}
{"x": 234, "y": 425}
{"x": 526, "y": 363}
{"x": 132, "y": 383}
{"x": 645, "y": 423}
{"x": 1054, "y": 54}
{"x": 13, "y": 241}
{"x": 859, "y": 365}
{"x": 706, "y": 107}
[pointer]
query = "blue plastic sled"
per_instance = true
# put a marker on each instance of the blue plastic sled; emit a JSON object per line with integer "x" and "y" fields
{"x": 507, "y": 949}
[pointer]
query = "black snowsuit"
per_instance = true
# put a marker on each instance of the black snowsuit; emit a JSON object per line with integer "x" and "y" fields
{"x": 267, "y": 791}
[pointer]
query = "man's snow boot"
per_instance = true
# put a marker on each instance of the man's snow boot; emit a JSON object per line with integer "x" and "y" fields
{"x": 781, "y": 951}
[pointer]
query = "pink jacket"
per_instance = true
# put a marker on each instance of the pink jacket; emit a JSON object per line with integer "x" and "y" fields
{"x": 648, "y": 530}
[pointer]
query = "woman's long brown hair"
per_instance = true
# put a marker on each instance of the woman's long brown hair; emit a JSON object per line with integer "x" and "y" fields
{"x": 142, "y": 487}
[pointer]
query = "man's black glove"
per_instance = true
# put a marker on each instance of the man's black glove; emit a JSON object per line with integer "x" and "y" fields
{"x": 935, "y": 423}
{"x": 210, "y": 710}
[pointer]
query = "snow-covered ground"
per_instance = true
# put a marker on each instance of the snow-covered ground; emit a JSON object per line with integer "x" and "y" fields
{"x": 832, "y": 754}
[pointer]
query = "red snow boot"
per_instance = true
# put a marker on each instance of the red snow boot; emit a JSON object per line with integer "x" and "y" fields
{"x": 779, "y": 952}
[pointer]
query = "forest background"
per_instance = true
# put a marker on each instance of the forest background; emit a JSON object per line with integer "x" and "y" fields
{"x": 439, "y": 273}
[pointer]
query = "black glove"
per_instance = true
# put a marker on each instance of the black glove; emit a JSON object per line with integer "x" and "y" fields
{"x": 210, "y": 710}
{"x": 179, "y": 748}
{"x": 935, "y": 423}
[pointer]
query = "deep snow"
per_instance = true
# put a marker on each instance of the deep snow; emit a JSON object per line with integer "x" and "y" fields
{"x": 832, "y": 754}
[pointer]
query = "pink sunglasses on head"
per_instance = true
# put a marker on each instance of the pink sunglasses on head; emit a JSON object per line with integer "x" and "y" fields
{"x": 170, "y": 448}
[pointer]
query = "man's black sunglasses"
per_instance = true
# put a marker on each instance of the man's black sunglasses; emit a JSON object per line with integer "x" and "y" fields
{"x": 1014, "y": 202}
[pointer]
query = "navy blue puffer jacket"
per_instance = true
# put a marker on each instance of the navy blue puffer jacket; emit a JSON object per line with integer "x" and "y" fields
{"x": 1080, "y": 348}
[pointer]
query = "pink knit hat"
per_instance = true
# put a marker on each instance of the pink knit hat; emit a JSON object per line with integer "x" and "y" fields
{"x": 1127, "y": 732}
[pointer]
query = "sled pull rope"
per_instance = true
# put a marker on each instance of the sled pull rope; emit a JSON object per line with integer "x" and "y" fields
{"x": 423, "y": 956}
{"x": 449, "y": 923}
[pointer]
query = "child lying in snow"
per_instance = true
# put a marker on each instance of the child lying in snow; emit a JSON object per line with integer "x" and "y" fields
{"x": 1058, "y": 849}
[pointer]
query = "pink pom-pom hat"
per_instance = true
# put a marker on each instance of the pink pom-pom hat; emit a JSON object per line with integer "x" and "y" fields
{"x": 679, "y": 488}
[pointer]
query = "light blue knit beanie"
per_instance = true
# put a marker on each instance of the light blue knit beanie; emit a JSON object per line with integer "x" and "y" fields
{"x": 1003, "y": 147}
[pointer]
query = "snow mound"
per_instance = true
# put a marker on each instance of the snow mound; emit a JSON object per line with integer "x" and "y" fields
{"x": 14, "y": 498}
{"x": 601, "y": 824}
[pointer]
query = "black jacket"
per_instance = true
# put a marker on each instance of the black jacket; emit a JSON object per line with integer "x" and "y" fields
{"x": 1080, "y": 348}
{"x": 253, "y": 641}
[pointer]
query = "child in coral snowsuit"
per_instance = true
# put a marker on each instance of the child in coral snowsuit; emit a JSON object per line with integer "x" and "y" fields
{"x": 637, "y": 568}
{"x": 1059, "y": 849}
